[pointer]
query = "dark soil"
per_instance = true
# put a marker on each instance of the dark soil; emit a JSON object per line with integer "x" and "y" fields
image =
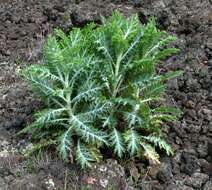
{"x": 24, "y": 25}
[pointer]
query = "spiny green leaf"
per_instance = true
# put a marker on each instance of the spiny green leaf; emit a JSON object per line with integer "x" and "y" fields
{"x": 132, "y": 140}
{"x": 171, "y": 74}
{"x": 150, "y": 153}
{"x": 83, "y": 156}
{"x": 65, "y": 143}
{"x": 90, "y": 134}
{"x": 117, "y": 142}
{"x": 161, "y": 143}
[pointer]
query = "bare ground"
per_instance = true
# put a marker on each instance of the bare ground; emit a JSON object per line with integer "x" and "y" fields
{"x": 24, "y": 25}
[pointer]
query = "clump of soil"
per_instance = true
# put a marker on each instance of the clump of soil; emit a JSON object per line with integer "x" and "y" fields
{"x": 24, "y": 26}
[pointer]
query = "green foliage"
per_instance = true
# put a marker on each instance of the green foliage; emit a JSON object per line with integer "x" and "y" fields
{"x": 101, "y": 88}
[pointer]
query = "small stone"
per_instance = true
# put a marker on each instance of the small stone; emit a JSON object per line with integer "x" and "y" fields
{"x": 191, "y": 113}
{"x": 190, "y": 104}
{"x": 16, "y": 122}
{"x": 176, "y": 187}
{"x": 2, "y": 184}
{"x": 4, "y": 154}
{"x": 50, "y": 184}
{"x": 208, "y": 114}
{"x": 179, "y": 129}
{"x": 175, "y": 168}
{"x": 210, "y": 149}
{"x": 150, "y": 185}
{"x": 59, "y": 8}
{"x": 153, "y": 170}
{"x": 146, "y": 186}
{"x": 135, "y": 173}
{"x": 206, "y": 167}
{"x": 172, "y": 84}
{"x": 4, "y": 172}
{"x": 210, "y": 126}
{"x": 137, "y": 3}
{"x": 185, "y": 187}
{"x": 165, "y": 172}
{"x": 17, "y": 93}
{"x": 162, "y": 172}
{"x": 178, "y": 140}
{"x": 103, "y": 183}
{"x": 209, "y": 44}
{"x": 197, "y": 180}
{"x": 208, "y": 186}
{"x": 6, "y": 52}
{"x": 191, "y": 163}
{"x": 103, "y": 168}
{"x": 202, "y": 150}
{"x": 194, "y": 128}
{"x": 172, "y": 187}
{"x": 90, "y": 180}
{"x": 23, "y": 33}
{"x": 177, "y": 157}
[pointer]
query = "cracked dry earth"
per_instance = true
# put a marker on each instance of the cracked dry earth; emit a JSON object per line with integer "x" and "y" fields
{"x": 24, "y": 24}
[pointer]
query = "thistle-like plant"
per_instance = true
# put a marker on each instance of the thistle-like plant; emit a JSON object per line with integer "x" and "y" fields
{"x": 101, "y": 89}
